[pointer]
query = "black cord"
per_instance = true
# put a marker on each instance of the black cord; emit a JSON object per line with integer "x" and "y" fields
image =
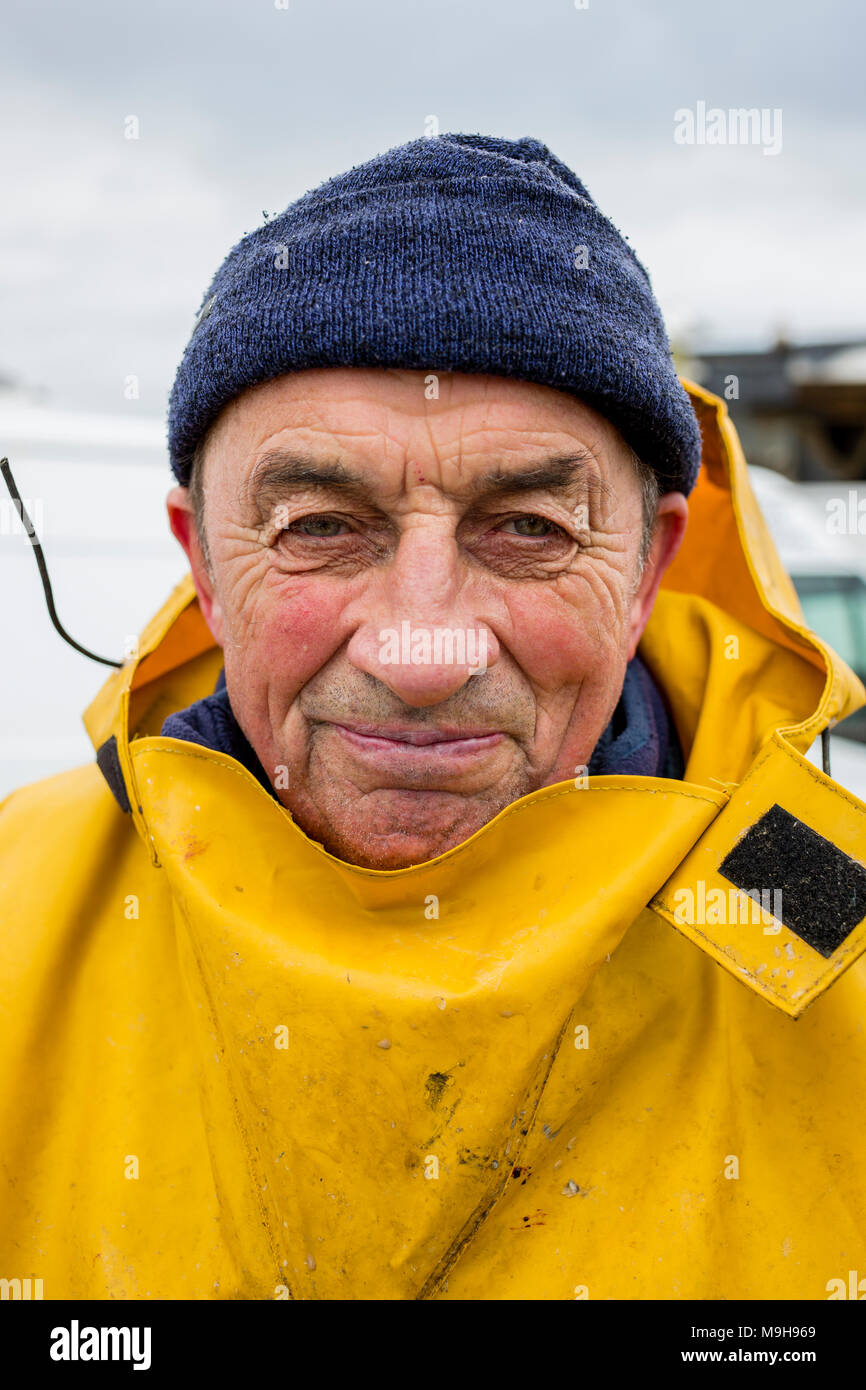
{"x": 43, "y": 568}
{"x": 825, "y": 751}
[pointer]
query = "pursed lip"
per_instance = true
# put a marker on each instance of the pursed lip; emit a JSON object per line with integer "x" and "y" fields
{"x": 394, "y": 736}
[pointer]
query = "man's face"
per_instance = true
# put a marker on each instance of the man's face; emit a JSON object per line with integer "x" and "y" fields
{"x": 349, "y": 518}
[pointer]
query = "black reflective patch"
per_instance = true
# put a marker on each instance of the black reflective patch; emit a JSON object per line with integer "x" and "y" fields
{"x": 823, "y": 890}
{"x": 108, "y": 760}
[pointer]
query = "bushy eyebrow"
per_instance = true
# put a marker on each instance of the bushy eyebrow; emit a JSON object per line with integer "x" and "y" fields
{"x": 280, "y": 472}
{"x": 562, "y": 473}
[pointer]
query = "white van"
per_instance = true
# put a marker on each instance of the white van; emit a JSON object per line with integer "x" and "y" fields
{"x": 816, "y": 530}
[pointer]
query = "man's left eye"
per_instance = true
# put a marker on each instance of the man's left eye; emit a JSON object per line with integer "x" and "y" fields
{"x": 531, "y": 525}
{"x": 323, "y": 527}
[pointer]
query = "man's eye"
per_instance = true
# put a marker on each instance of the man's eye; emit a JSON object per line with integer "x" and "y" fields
{"x": 324, "y": 527}
{"x": 531, "y": 525}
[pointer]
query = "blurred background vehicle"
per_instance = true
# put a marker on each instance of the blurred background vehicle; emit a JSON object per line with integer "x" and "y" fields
{"x": 829, "y": 573}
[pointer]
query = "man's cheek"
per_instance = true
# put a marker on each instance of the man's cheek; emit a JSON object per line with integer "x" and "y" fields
{"x": 554, "y": 643}
{"x": 292, "y": 636}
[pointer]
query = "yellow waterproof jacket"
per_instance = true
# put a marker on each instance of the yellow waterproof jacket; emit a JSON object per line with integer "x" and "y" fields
{"x": 559, "y": 1061}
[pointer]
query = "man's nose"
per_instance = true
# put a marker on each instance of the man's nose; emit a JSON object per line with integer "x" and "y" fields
{"x": 421, "y": 633}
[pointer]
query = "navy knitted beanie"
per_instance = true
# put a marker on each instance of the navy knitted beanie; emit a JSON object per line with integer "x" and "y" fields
{"x": 462, "y": 253}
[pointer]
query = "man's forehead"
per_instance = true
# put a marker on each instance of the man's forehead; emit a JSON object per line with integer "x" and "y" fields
{"x": 399, "y": 420}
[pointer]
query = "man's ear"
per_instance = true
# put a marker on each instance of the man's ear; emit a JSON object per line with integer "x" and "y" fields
{"x": 181, "y": 519}
{"x": 672, "y": 515}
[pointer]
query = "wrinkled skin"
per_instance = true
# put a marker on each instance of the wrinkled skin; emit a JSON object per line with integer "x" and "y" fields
{"x": 306, "y": 580}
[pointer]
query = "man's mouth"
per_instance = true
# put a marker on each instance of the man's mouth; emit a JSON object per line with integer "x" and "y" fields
{"x": 391, "y": 738}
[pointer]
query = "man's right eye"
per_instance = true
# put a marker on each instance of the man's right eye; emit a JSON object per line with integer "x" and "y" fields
{"x": 322, "y": 527}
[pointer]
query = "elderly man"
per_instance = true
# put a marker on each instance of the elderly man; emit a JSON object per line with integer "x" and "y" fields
{"x": 435, "y": 919}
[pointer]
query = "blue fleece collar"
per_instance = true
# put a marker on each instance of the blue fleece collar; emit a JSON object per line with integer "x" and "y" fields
{"x": 641, "y": 739}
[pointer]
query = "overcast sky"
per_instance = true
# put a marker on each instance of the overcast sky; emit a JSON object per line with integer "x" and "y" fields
{"x": 107, "y": 244}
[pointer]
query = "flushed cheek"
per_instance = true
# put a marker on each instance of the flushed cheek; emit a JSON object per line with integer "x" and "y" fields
{"x": 556, "y": 645}
{"x": 575, "y": 665}
{"x": 293, "y": 633}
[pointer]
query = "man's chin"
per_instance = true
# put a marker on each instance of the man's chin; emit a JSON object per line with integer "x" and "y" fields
{"x": 396, "y": 828}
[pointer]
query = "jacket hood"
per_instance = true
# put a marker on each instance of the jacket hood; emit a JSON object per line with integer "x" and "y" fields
{"x": 749, "y": 686}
